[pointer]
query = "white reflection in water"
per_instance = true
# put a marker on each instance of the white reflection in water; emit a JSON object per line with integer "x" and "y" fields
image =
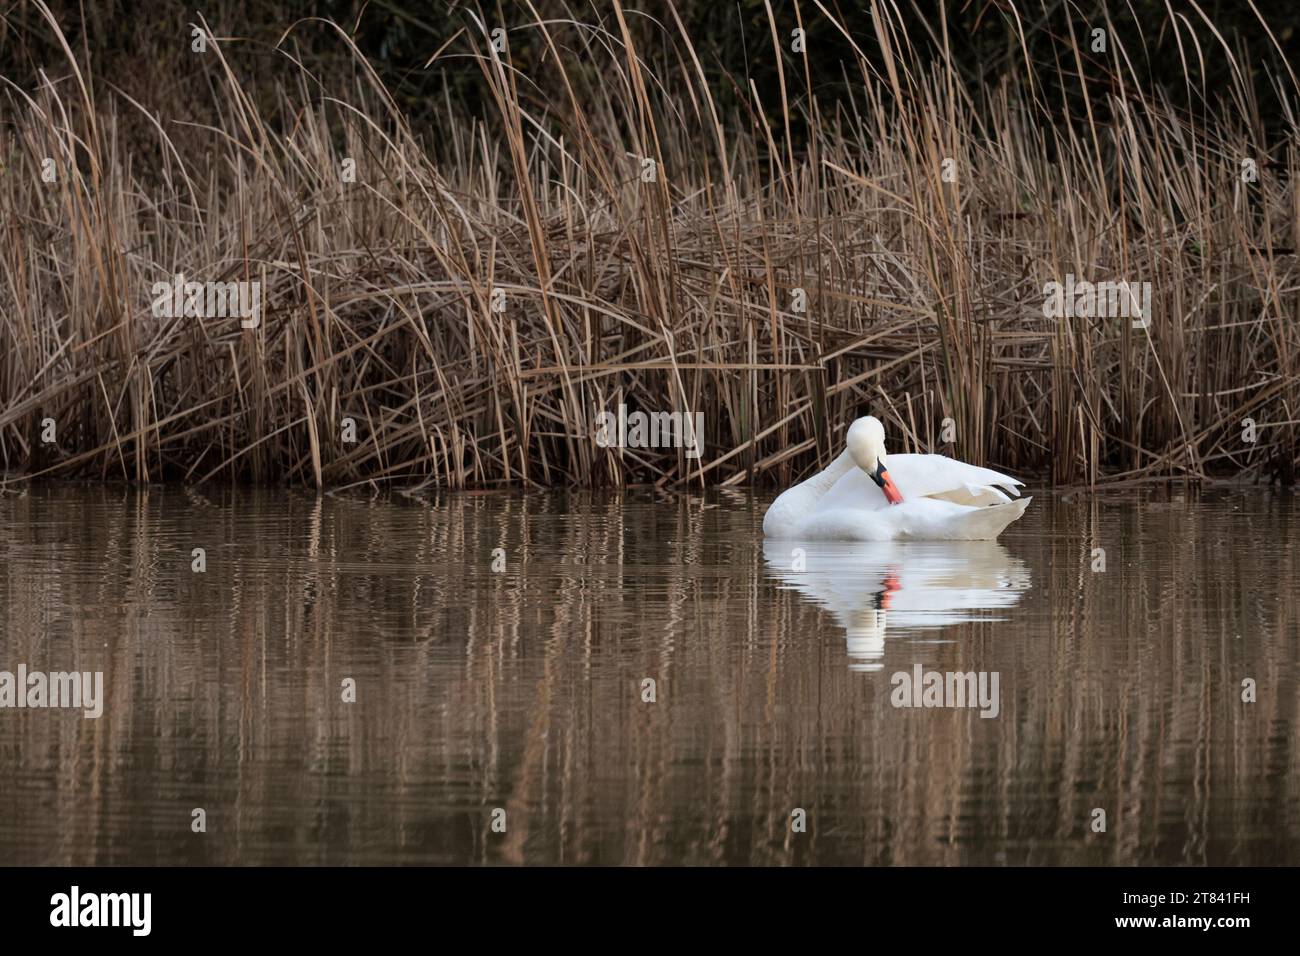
{"x": 899, "y": 585}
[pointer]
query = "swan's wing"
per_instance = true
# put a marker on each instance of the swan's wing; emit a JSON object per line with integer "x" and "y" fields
{"x": 938, "y": 476}
{"x": 974, "y": 498}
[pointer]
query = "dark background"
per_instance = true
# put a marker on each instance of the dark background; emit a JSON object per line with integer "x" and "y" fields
{"x": 128, "y": 40}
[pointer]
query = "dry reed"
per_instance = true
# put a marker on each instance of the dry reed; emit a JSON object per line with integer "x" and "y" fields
{"x": 670, "y": 291}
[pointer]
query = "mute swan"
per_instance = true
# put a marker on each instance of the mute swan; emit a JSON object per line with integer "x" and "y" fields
{"x": 919, "y": 497}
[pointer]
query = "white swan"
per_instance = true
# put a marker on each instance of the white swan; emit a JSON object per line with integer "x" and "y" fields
{"x": 919, "y": 497}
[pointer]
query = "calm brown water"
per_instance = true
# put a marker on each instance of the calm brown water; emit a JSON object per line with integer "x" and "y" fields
{"x": 522, "y": 689}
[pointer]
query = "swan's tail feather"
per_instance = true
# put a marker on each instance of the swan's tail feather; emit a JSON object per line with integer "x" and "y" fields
{"x": 985, "y": 524}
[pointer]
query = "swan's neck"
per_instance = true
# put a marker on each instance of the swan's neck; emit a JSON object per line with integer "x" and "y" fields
{"x": 825, "y": 480}
{"x": 794, "y": 505}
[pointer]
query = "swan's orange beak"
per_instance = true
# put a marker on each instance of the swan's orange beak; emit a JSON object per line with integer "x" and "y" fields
{"x": 887, "y": 486}
{"x": 890, "y": 489}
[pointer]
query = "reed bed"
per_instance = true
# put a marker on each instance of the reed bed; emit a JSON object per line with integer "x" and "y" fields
{"x": 600, "y": 230}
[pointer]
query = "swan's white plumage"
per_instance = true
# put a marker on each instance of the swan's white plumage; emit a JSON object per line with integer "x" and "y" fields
{"x": 943, "y": 499}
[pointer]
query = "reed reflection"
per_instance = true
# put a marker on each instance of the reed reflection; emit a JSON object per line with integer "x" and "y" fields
{"x": 521, "y": 688}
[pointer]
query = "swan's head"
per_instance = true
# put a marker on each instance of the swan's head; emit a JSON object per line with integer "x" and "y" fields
{"x": 866, "y": 441}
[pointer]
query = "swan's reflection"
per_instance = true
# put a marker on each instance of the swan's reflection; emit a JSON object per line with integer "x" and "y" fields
{"x": 912, "y": 585}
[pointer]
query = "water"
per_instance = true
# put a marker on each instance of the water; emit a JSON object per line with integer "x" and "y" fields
{"x": 523, "y": 689}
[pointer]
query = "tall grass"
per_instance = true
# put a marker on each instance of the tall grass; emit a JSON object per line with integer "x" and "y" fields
{"x": 670, "y": 291}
